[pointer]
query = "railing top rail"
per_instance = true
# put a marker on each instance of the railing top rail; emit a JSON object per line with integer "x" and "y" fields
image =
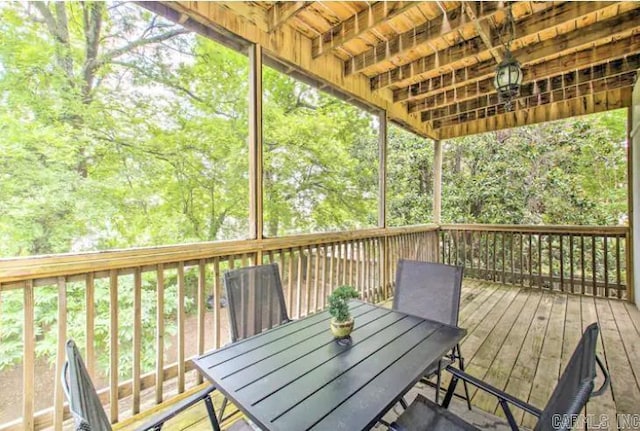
{"x": 35, "y": 267}
{"x": 541, "y": 229}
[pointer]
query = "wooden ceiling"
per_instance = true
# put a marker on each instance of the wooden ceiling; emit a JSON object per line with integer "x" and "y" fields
{"x": 431, "y": 65}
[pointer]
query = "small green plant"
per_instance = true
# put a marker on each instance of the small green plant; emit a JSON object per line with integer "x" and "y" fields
{"x": 338, "y": 302}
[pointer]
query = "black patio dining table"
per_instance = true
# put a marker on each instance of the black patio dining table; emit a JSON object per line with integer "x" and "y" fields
{"x": 297, "y": 377}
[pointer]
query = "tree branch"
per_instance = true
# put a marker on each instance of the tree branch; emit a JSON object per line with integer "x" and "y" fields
{"x": 115, "y": 53}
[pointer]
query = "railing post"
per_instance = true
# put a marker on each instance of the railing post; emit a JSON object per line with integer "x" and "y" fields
{"x": 256, "y": 214}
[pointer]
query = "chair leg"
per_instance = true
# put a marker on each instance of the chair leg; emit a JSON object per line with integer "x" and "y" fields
{"x": 212, "y": 414}
{"x": 403, "y": 403}
{"x": 438, "y": 381}
{"x": 466, "y": 387}
{"x": 224, "y": 406}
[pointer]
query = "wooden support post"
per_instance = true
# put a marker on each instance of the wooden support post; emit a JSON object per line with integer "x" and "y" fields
{"x": 382, "y": 201}
{"x": 437, "y": 182}
{"x": 256, "y": 215}
{"x": 633, "y": 184}
{"x": 382, "y": 171}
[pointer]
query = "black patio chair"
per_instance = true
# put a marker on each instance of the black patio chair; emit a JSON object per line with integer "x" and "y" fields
{"x": 255, "y": 303}
{"x": 87, "y": 410}
{"x": 572, "y": 392}
{"x": 431, "y": 291}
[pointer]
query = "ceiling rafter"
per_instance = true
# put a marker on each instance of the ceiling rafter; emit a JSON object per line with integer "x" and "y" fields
{"x": 282, "y": 11}
{"x": 619, "y": 27}
{"x": 526, "y": 103}
{"x": 533, "y": 24}
{"x": 356, "y": 25}
{"x": 422, "y": 34}
{"x": 483, "y": 28}
{"x": 600, "y": 77}
{"x": 557, "y": 110}
{"x": 447, "y": 89}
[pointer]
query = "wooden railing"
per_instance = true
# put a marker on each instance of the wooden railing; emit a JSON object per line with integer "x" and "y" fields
{"x": 585, "y": 260}
{"x": 140, "y": 314}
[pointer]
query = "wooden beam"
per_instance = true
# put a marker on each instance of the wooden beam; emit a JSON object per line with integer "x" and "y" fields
{"x": 252, "y": 13}
{"x": 597, "y": 102}
{"x": 448, "y": 89}
{"x": 356, "y": 25}
{"x": 483, "y": 28}
{"x": 562, "y": 15}
{"x": 422, "y": 34}
{"x": 282, "y": 11}
{"x": 490, "y": 106}
{"x": 588, "y": 76}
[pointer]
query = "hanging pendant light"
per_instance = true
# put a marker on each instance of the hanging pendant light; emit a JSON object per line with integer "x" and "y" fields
{"x": 508, "y": 80}
{"x": 509, "y": 75}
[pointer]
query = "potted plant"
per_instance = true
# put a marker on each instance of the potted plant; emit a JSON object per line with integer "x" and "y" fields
{"x": 341, "y": 322}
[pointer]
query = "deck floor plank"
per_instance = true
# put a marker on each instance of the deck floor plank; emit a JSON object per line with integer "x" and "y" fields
{"x": 548, "y": 368}
{"x": 603, "y": 406}
{"x": 623, "y": 383}
{"x": 502, "y": 363}
{"x": 524, "y": 369}
{"x": 520, "y": 340}
{"x": 480, "y": 362}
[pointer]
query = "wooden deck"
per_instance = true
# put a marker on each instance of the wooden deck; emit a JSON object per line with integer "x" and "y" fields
{"x": 520, "y": 340}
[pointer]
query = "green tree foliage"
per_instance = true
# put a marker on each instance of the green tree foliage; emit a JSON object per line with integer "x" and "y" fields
{"x": 320, "y": 158}
{"x": 566, "y": 172}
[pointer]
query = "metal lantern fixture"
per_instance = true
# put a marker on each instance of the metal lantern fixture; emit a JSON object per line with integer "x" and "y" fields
{"x": 508, "y": 73}
{"x": 508, "y": 79}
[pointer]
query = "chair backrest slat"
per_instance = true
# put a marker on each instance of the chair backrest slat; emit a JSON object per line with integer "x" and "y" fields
{"x": 574, "y": 387}
{"x": 428, "y": 290}
{"x": 255, "y": 300}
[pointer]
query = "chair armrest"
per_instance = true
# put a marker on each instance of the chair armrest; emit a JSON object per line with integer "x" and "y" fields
{"x": 607, "y": 379}
{"x": 156, "y": 422}
{"x": 495, "y": 391}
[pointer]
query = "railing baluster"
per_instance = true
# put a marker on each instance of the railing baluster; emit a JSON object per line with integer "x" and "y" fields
{"x": 606, "y": 266}
{"x": 289, "y": 256}
{"x": 159, "y": 332}
{"x": 513, "y": 280}
{"x": 316, "y": 279}
{"x": 530, "y": 255}
{"x": 561, "y": 238}
{"x": 217, "y": 305}
{"x": 323, "y": 277}
{"x": 113, "y": 346}
{"x": 307, "y": 281}
{"x": 137, "y": 340}
{"x": 29, "y": 356}
{"x": 504, "y": 258}
{"x": 90, "y": 306}
{"x": 550, "y": 242}
{"x": 344, "y": 249}
{"x": 202, "y": 309}
{"x": 299, "y": 283}
{"x": 521, "y": 245}
{"x": 618, "y": 270}
{"x": 594, "y": 270}
{"x": 181, "y": 325}
{"x": 540, "y": 283}
{"x": 582, "y": 266}
{"x": 571, "y": 263}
